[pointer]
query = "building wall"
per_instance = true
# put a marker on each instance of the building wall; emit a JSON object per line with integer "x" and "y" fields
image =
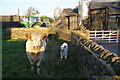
{"x": 10, "y": 18}
{"x": 73, "y": 22}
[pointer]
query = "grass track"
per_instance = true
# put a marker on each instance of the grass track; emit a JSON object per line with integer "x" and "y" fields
{"x": 16, "y": 65}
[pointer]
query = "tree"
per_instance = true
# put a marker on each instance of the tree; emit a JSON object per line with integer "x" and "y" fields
{"x": 50, "y": 20}
{"x": 32, "y": 11}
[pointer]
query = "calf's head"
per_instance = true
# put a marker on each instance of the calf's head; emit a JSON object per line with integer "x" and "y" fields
{"x": 63, "y": 47}
{"x": 36, "y": 40}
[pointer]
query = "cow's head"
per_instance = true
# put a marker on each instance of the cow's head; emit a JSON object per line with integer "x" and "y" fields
{"x": 36, "y": 40}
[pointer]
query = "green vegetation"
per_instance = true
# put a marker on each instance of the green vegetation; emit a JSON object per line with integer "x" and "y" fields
{"x": 16, "y": 65}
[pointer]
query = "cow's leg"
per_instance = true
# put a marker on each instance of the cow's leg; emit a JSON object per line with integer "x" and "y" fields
{"x": 30, "y": 60}
{"x": 38, "y": 63}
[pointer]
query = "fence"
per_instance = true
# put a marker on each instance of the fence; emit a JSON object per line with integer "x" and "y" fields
{"x": 109, "y": 36}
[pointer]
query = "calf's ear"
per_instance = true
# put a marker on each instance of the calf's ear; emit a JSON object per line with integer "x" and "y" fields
{"x": 44, "y": 36}
{"x": 28, "y": 36}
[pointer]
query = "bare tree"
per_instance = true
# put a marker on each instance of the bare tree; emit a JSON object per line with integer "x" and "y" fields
{"x": 32, "y": 11}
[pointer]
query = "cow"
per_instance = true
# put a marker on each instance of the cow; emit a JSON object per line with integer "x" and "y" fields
{"x": 35, "y": 47}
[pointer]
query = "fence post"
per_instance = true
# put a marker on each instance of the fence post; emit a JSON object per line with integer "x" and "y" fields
{"x": 88, "y": 34}
{"x": 95, "y": 35}
{"x": 102, "y": 35}
{"x": 109, "y": 35}
{"x": 117, "y": 37}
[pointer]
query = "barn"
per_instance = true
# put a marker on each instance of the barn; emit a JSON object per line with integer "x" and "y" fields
{"x": 102, "y": 16}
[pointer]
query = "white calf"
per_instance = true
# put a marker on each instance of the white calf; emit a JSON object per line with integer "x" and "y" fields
{"x": 35, "y": 47}
{"x": 64, "y": 50}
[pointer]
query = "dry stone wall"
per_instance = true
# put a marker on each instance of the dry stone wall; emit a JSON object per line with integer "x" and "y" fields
{"x": 99, "y": 52}
{"x": 19, "y": 33}
{"x": 110, "y": 60}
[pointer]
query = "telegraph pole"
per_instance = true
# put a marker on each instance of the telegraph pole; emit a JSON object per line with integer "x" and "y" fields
{"x": 19, "y": 14}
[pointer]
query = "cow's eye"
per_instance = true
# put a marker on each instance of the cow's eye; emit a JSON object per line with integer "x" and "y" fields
{"x": 31, "y": 39}
{"x": 64, "y": 46}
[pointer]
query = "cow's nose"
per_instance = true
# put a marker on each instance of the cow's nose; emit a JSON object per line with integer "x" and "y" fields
{"x": 62, "y": 50}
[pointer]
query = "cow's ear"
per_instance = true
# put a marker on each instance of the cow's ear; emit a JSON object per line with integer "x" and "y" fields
{"x": 44, "y": 36}
{"x": 28, "y": 36}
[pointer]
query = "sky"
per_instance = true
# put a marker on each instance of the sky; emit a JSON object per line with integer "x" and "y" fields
{"x": 45, "y": 7}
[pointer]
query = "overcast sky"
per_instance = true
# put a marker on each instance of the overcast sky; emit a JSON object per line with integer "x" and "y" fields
{"x": 45, "y": 7}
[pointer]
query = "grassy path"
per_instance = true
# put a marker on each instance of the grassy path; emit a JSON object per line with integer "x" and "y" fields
{"x": 16, "y": 65}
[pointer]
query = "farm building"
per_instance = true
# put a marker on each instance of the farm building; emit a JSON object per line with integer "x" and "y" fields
{"x": 10, "y": 20}
{"x": 104, "y": 15}
{"x": 68, "y": 19}
{"x": 101, "y": 16}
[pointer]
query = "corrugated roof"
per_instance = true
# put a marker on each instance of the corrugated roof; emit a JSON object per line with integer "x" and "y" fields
{"x": 67, "y": 10}
{"x": 95, "y": 5}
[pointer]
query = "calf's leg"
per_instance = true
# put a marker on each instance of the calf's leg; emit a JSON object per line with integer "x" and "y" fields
{"x": 65, "y": 55}
{"x": 61, "y": 53}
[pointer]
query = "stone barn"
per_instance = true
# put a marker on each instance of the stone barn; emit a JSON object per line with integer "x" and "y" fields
{"x": 104, "y": 15}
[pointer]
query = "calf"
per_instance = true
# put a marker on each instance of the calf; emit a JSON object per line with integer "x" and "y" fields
{"x": 64, "y": 50}
{"x": 35, "y": 47}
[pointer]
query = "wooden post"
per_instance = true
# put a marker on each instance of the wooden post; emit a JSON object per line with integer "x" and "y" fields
{"x": 19, "y": 14}
{"x": 102, "y": 35}
{"x": 73, "y": 22}
{"x": 95, "y": 35}
{"x": 109, "y": 35}
{"x": 106, "y": 18}
{"x": 88, "y": 34}
{"x": 117, "y": 37}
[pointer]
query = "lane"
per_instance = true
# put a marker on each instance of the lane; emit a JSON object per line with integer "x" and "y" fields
{"x": 112, "y": 47}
